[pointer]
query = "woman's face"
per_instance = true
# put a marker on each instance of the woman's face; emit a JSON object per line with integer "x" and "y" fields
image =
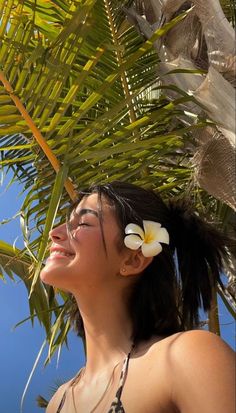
{"x": 78, "y": 259}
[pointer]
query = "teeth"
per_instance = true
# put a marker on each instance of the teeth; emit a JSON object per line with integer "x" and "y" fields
{"x": 66, "y": 254}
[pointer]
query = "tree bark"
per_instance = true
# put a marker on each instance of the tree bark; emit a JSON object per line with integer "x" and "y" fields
{"x": 203, "y": 40}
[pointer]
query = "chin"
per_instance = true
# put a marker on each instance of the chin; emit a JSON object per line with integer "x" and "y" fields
{"x": 57, "y": 277}
{"x": 48, "y": 278}
{"x": 53, "y": 277}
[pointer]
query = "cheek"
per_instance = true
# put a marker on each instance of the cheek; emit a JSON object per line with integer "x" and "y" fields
{"x": 90, "y": 257}
{"x": 90, "y": 260}
{"x": 87, "y": 242}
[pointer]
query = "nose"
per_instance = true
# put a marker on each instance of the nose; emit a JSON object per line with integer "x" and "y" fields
{"x": 58, "y": 233}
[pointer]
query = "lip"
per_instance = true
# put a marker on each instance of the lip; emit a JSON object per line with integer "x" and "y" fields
{"x": 64, "y": 253}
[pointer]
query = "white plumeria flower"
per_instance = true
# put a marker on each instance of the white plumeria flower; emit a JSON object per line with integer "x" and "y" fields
{"x": 148, "y": 239}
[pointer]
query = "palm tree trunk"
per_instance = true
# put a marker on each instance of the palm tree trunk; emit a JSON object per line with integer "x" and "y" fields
{"x": 191, "y": 46}
{"x": 198, "y": 56}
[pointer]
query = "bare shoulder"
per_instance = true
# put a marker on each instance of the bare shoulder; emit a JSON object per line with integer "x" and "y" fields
{"x": 202, "y": 371}
{"x": 186, "y": 341}
{"x": 194, "y": 369}
{"x": 197, "y": 342}
{"x": 192, "y": 342}
{"x": 57, "y": 397}
{"x": 198, "y": 347}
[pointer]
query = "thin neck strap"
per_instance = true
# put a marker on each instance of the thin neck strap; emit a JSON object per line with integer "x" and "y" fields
{"x": 124, "y": 373}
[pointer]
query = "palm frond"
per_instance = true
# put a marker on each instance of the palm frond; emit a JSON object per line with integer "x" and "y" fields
{"x": 81, "y": 101}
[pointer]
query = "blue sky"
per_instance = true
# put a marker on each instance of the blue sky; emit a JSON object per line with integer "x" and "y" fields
{"x": 19, "y": 348}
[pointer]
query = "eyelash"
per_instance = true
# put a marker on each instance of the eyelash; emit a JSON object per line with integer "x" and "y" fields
{"x": 82, "y": 224}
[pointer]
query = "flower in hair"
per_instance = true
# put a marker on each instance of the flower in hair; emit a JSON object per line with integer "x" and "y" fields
{"x": 148, "y": 239}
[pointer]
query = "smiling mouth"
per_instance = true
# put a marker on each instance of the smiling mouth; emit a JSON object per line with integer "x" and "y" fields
{"x": 60, "y": 254}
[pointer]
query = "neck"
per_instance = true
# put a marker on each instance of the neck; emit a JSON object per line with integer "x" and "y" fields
{"x": 107, "y": 332}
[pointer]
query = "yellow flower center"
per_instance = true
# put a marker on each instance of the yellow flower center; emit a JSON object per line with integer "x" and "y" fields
{"x": 148, "y": 238}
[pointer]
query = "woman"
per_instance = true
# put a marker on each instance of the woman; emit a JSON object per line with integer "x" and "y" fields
{"x": 139, "y": 271}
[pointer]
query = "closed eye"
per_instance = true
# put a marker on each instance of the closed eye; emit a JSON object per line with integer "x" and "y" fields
{"x": 73, "y": 223}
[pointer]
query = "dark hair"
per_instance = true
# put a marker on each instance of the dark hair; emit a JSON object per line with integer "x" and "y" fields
{"x": 167, "y": 297}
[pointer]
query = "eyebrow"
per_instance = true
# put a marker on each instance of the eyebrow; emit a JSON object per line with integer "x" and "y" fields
{"x": 85, "y": 211}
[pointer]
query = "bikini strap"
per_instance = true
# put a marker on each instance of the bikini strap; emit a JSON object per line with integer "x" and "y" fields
{"x": 61, "y": 402}
{"x": 123, "y": 375}
{"x": 66, "y": 390}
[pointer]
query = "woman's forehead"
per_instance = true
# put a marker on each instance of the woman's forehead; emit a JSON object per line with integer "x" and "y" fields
{"x": 99, "y": 204}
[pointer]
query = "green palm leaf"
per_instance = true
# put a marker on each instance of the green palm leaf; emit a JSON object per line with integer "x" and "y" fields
{"x": 80, "y": 93}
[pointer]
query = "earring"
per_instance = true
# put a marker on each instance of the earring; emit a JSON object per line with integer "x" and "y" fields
{"x": 123, "y": 270}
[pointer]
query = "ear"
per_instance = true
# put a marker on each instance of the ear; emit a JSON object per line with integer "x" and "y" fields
{"x": 135, "y": 263}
